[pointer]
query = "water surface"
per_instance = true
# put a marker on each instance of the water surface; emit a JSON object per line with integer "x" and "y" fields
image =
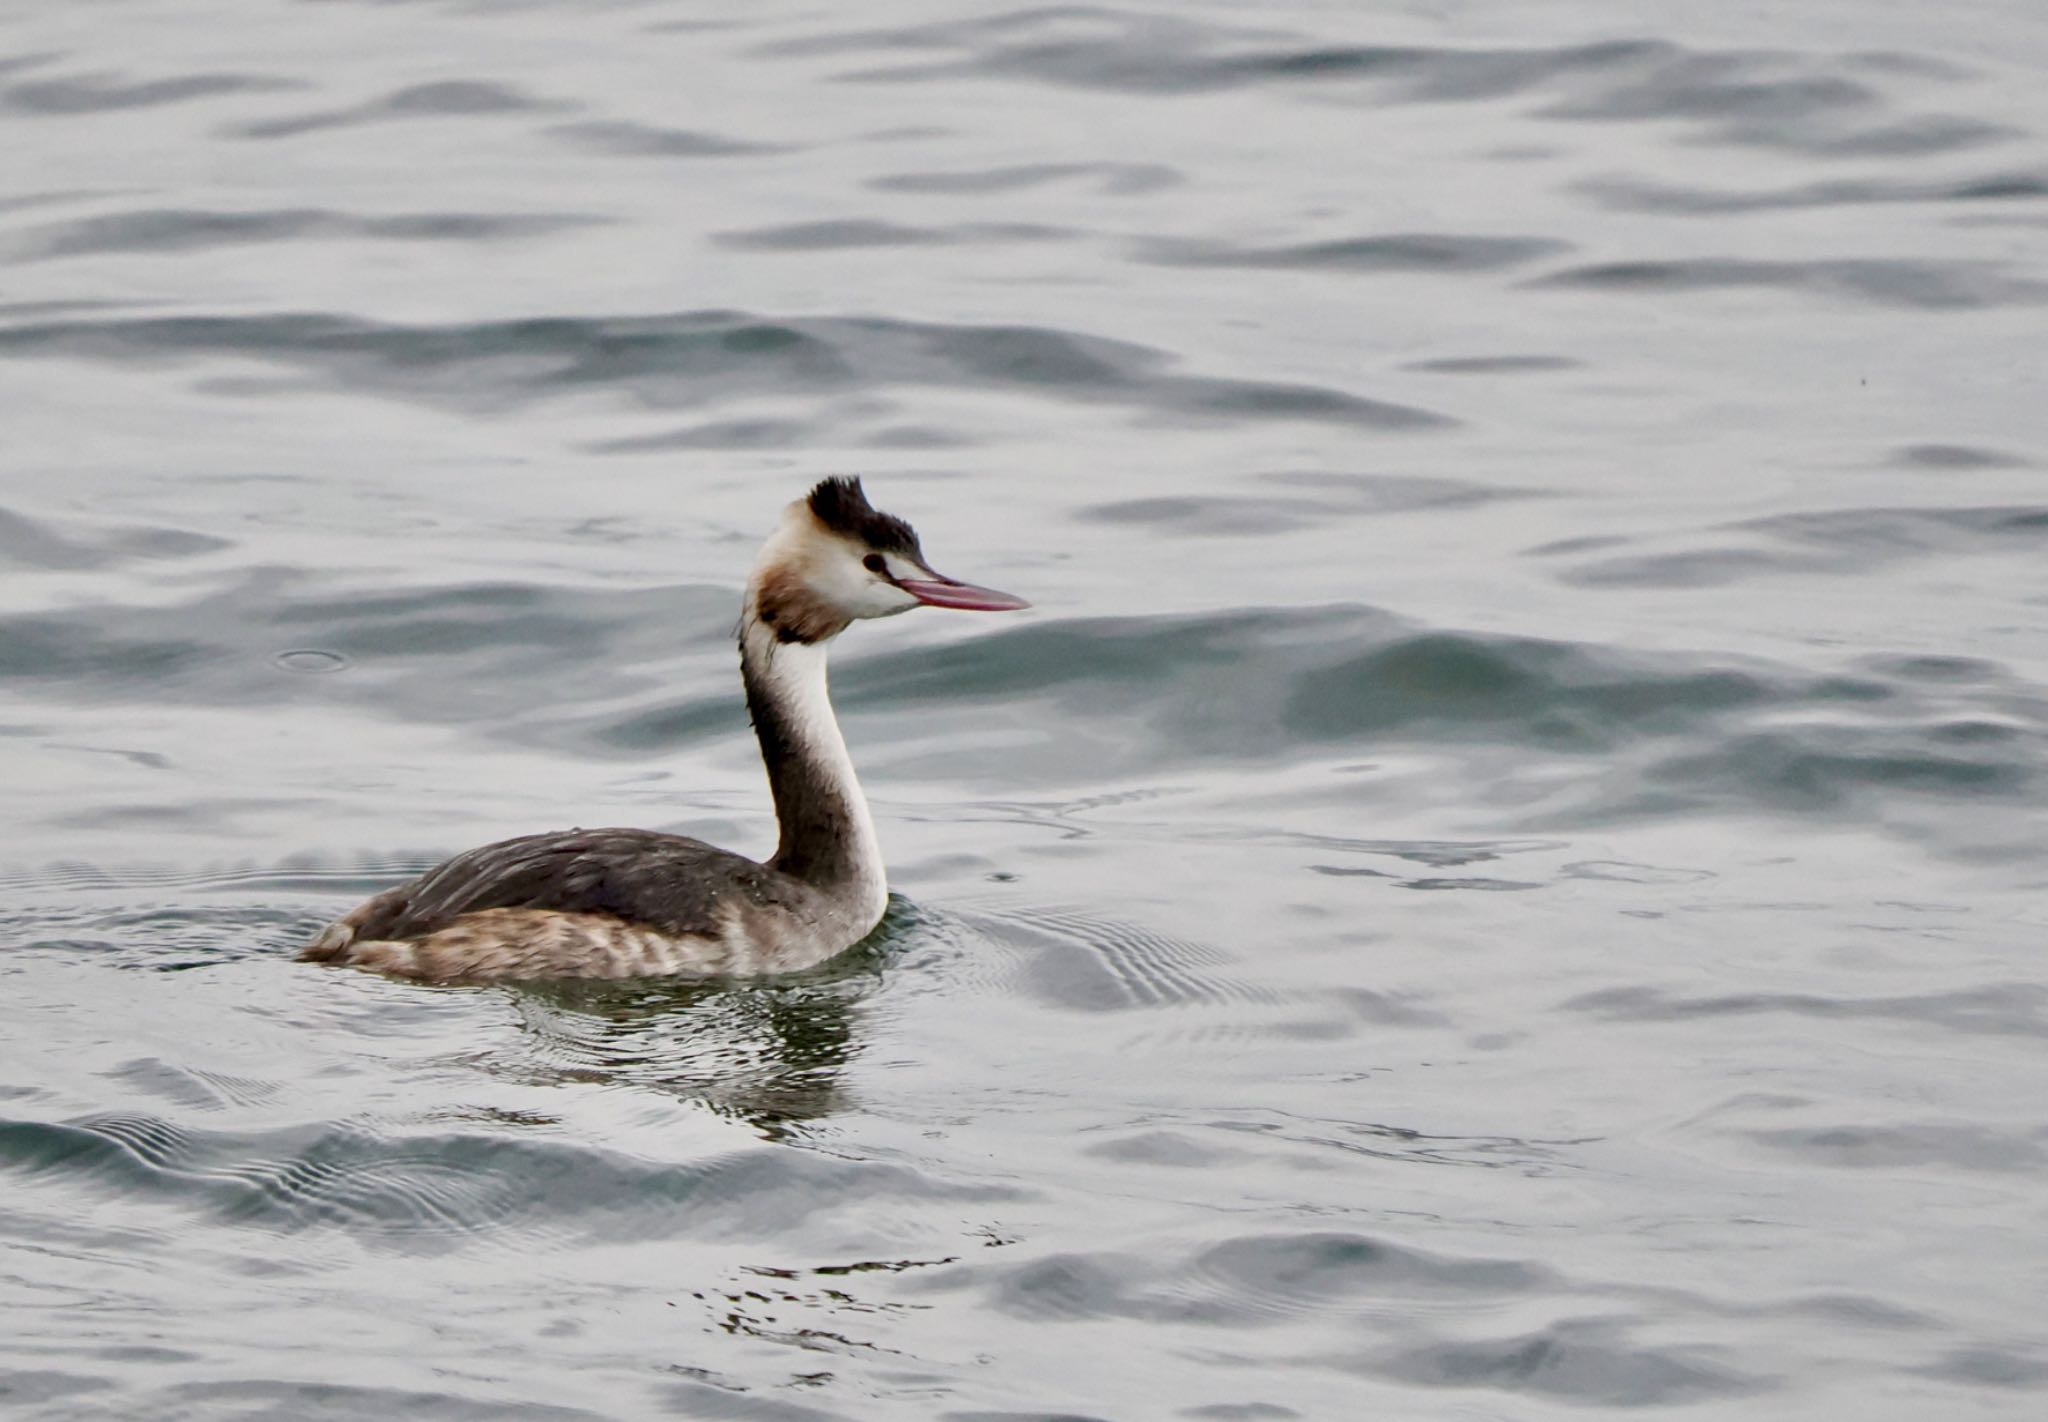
{"x": 1501, "y": 879}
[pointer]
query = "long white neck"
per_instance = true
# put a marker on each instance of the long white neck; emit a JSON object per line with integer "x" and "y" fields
{"x": 827, "y": 835}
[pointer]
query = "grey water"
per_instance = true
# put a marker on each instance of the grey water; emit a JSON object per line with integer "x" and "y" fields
{"x": 1501, "y": 880}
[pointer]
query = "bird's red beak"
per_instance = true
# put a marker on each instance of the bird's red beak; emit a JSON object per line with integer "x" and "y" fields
{"x": 937, "y": 591}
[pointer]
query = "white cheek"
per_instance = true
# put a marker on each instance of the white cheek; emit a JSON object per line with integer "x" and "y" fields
{"x": 881, "y": 600}
{"x": 857, "y": 592}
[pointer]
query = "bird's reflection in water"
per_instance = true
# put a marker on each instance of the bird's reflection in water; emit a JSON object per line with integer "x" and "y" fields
{"x": 768, "y": 1052}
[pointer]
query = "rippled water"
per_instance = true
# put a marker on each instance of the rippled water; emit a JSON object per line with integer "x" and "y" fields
{"x": 1583, "y": 463}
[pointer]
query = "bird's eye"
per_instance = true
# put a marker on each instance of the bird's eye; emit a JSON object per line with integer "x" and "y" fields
{"x": 874, "y": 563}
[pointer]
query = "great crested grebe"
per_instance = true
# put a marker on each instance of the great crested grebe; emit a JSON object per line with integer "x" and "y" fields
{"x": 619, "y": 903}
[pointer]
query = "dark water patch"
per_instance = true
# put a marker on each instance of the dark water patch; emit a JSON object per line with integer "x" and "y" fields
{"x": 2019, "y": 1368}
{"x": 303, "y": 1401}
{"x": 153, "y": 936}
{"x": 1341, "y": 492}
{"x": 1172, "y": 1149}
{"x": 918, "y": 437}
{"x": 775, "y": 1305}
{"x": 1915, "y": 64}
{"x": 2005, "y": 1009}
{"x": 1220, "y": 515}
{"x": 1812, "y": 104}
{"x": 1077, "y": 46}
{"x": 1584, "y": 543}
{"x": 1101, "y": 666}
{"x": 1326, "y": 498}
{"x": 1580, "y": 1361}
{"x": 1230, "y": 400}
{"x": 1614, "y": 871}
{"x": 1852, "y": 541}
{"x": 1979, "y": 731}
{"x": 1959, "y": 1145}
{"x": 183, "y": 229}
{"x": 1953, "y": 456}
{"x": 1493, "y": 365}
{"x": 440, "y": 653}
{"x": 859, "y": 1266}
{"x": 1086, "y": 962}
{"x": 1435, "y": 853}
{"x": 703, "y": 1392}
{"x": 74, "y": 546}
{"x": 772, "y": 1054}
{"x": 441, "y": 99}
{"x": 759, "y": 433}
{"x": 1858, "y": 1310}
{"x": 1706, "y": 733}
{"x": 697, "y": 359}
{"x": 298, "y": 873}
{"x": 1918, "y": 285}
{"x": 1482, "y": 884}
{"x": 432, "y": 1192}
{"x": 16, "y": 63}
{"x": 697, "y": 26}
{"x": 1136, "y": 54}
{"x": 28, "y": 202}
{"x": 1798, "y": 102}
{"x": 657, "y": 729}
{"x": 109, "y": 92}
{"x": 1893, "y": 532}
{"x": 1995, "y": 221}
{"x": 1560, "y": 694}
{"x": 1429, "y": 882}
{"x": 1814, "y": 770}
{"x": 30, "y": 1387}
{"x": 148, "y": 760}
{"x": 839, "y": 234}
{"x": 61, "y": 648}
{"x": 1700, "y": 568}
{"x": 1631, "y": 195}
{"x": 1949, "y": 670}
{"x": 1920, "y": 136}
{"x": 187, "y": 814}
{"x": 1257, "y": 1280}
{"x": 1283, "y": 1275}
{"x": 192, "y": 1089}
{"x": 1753, "y": 87}
{"x": 1436, "y": 75}
{"x": 1405, "y": 253}
{"x": 1385, "y": 1009}
{"x": 640, "y": 140}
{"x": 1113, "y": 179}
{"x": 23, "y": 311}
{"x": 1064, "y": 1287}
{"x": 1403, "y": 1145}
{"x": 1240, "y": 1412}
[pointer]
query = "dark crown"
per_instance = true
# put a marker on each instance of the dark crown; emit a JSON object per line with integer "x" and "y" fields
{"x": 842, "y": 506}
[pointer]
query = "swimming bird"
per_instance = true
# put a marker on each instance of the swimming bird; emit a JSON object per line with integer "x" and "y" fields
{"x": 618, "y": 903}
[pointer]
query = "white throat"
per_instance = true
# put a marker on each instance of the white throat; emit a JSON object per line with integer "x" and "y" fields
{"x": 828, "y": 835}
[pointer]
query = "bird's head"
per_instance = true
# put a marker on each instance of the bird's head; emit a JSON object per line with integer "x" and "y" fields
{"x": 836, "y": 558}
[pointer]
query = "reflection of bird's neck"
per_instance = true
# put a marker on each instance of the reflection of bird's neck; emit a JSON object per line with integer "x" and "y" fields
{"x": 827, "y": 836}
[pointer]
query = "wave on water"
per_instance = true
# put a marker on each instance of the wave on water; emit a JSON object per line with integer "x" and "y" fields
{"x": 701, "y": 358}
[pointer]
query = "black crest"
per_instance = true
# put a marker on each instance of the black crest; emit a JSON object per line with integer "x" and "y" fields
{"x": 842, "y": 506}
